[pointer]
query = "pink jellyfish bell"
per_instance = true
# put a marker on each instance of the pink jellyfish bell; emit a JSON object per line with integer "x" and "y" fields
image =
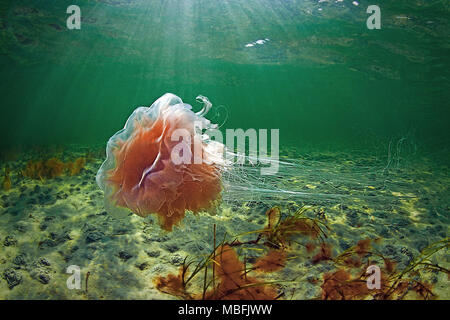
{"x": 148, "y": 170}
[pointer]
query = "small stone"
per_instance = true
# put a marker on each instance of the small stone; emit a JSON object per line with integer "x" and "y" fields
{"x": 176, "y": 260}
{"x": 12, "y": 277}
{"x": 68, "y": 236}
{"x": 158, "y": 268}
{"x": 49, "y": 218}
{"x": 153, "y": 253}
{"x": 171, "y": 247}
{"x": 62, "y": 195}
{"x": 143, "y": 266}
{"x": 389, "y": 250}
{"x": 44, "y": 262}
{"x": 20, "y": 260}
{"x": 125, "y": 255}
{"x": 312, "y": 279}
{"x": 408, "y": 254}
{"x": 156, "y": 238}
{"x": 9, "y": 241}
{"x": 44, "y": 278}
{"x": 94, "y": 236}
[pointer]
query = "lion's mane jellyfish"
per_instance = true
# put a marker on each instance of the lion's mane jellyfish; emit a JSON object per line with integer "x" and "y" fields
{"x": 139, "y": 173}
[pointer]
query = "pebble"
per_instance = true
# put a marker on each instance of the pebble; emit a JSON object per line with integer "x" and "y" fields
{"x": 171, "y": 247}
{"x": 158, "y": 268}
{"x": 62, "y": 195}
{"x": 125, "y": 255}
{"x": 389, "y": 250}
{"x": 9, "y": 241}
{"x": 156, "y": 238}
{"x": 44, "y": 262}
{"x": 153, "y": 253}
{"x": 44, "y": 278}
{"x": 12, "y": 277}
{"x": 94, "y": 236}
{"x": 143, "y": 266}
{"x": 407, "y": 253}
{"x": 176, "y": 260}
{"x": 20, "y": 260}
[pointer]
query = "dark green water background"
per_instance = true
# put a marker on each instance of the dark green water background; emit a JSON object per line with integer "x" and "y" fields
{"x": 323, "y": 79}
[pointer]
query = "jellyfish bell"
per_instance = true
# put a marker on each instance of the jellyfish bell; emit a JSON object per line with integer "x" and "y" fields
{"x": 152, "y": 165}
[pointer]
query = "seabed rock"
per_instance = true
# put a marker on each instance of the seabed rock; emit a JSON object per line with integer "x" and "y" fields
{"x": 9, "y": 241}
{"x": 123, "y": 255}
{"x": 12, "y": 277}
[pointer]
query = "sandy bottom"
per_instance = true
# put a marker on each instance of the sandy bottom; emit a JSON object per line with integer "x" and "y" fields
{"x": 47, "y": 226}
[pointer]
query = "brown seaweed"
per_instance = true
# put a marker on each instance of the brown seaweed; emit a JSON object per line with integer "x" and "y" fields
{"x": 395, "y": 284}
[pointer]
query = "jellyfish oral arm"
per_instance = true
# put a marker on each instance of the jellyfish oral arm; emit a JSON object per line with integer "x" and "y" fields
{"x": 206, "y": 105}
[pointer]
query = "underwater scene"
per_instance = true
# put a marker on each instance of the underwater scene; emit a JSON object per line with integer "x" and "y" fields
{"x": 224, "y": 150}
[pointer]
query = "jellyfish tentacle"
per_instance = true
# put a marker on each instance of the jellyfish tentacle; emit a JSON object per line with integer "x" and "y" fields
{"x": 206, "y": 105}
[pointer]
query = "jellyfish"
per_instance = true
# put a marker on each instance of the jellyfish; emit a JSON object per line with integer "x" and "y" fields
{"x": 164, "y": 162}
{"x": 147, "y": 172}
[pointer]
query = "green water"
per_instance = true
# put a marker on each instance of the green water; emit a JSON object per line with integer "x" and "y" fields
{"x": 323, "y": 79}
{"x": 363, "y": 117}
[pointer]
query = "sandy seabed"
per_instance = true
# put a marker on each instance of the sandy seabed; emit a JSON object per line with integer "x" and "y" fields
{"x": 46, "y": 226}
